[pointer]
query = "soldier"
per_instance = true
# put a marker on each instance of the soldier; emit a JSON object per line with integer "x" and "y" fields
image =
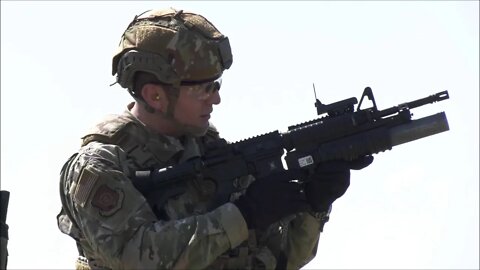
{"x": 171, "y": 62}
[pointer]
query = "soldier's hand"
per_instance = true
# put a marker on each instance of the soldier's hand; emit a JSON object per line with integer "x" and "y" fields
{"x": 269, "y": 199}
{"x": 330, "y": 181}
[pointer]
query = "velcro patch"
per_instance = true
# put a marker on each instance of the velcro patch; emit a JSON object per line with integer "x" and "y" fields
{"x": 107, "y": 200}
{"x": 84, "y": 187}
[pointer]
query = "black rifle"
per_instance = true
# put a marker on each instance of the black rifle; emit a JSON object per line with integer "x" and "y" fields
{"x": 342, "y": 133}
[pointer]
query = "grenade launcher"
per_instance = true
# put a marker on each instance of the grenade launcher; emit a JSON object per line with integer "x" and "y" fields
{"x": 339, "y": 133}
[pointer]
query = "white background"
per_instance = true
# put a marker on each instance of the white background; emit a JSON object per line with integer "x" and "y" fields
{"x": 416, "y": 206}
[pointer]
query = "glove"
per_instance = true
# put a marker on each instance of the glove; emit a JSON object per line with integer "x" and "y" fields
{"x": 330, "y": 181}
{"x": 269, "y": 199}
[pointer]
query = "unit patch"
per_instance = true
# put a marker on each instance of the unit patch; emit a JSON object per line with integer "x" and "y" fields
{"x": 107, "y": 200}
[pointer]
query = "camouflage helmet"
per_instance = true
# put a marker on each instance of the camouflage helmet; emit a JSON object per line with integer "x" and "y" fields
{"x": 174, "y": 46}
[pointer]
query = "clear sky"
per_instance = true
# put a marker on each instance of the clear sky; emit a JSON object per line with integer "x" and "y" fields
{"x": 416, "y": 206}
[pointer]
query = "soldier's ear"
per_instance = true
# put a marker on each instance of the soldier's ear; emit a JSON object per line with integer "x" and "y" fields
{"x": 155, "y": 96}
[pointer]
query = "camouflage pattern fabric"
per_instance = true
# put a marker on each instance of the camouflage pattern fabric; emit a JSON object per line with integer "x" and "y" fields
{"x": 178, "y": 46}
{"x": 119, "y": 228}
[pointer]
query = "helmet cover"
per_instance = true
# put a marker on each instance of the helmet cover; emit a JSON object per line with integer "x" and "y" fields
{"x": 175, "y": 46}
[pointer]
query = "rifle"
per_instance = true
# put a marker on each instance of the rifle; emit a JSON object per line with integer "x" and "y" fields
{"x": 341, "y": 133}
{"x": 4, "y": 198}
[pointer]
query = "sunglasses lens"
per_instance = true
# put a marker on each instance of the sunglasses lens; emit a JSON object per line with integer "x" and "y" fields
{"x": 214, "y": 86}
{"x": 204, "y": 90}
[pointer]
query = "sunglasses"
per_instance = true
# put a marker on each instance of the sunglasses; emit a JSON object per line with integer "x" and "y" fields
{"x": 202, "y": 91}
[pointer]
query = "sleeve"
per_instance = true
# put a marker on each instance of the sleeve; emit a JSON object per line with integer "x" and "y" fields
{"x": 302, "y": 240}
{"x": 294, "y": 240}
{"x": 123, "y": 232}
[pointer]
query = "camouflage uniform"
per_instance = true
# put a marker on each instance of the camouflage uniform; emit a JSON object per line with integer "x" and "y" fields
{"x": 117, "y": 227}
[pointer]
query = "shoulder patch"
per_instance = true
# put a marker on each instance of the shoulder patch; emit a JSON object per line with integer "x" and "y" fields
{"x": 107, "y": 200}
{"x": 84, "y": 187}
